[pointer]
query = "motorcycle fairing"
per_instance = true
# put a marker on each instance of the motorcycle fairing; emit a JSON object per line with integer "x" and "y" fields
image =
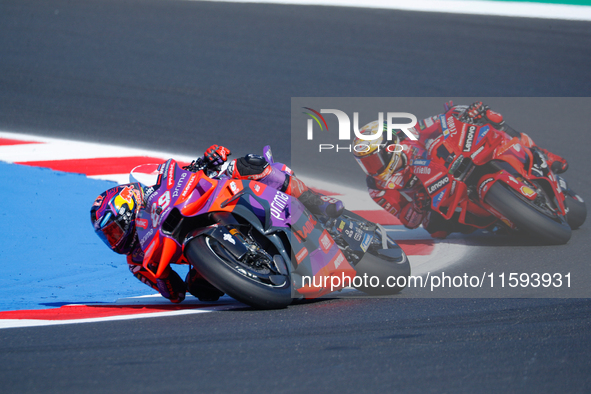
{"x": 180, "y": 194}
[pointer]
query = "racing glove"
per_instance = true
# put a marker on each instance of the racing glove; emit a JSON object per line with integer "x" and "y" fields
{"x": 380, "y": 198}
{"x": 413, "y": 213}
{"x": 172, "y": 287}
{"x": 558, "y": 164}
{"x": 216, "y": 155}
{"x": 477, "y": 112}
{"x": 474, "y": 112}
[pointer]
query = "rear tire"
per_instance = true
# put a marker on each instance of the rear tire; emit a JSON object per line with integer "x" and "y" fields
{"x": 546, "y": 229}
{"x": 372, "y": 265}
{"x": 219, "y": 267}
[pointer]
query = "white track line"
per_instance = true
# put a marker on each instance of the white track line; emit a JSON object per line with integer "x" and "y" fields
{"x": 62, "y": 149}
{"x": 469, "y": 7}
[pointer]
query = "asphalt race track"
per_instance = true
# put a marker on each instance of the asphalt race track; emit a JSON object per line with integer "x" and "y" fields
{"x": 181, "y": 75}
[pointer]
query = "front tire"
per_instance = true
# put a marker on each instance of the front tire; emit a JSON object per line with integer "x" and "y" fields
{"x": 219, "y": 267}
{"x": 544, "y": 228}
{"x": 577, "y": 211}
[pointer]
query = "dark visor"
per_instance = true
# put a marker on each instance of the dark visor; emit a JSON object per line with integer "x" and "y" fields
{"x": 111, "y": 234}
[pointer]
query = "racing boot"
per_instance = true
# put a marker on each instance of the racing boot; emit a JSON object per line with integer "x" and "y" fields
{"x": 315, "y": 202}
{"x": 172, "y": 287}
{"x": 200, "y": 288}
{"x": 321, "y": 205}
{"x": 440, "y": 228}
{"x": 557, "y": 164}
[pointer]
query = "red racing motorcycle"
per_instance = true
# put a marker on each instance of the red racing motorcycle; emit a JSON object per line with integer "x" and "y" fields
{"x": 483, "y": 178}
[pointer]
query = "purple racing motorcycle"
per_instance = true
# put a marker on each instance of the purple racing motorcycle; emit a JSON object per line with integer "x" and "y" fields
{"x": 257, "y": 244}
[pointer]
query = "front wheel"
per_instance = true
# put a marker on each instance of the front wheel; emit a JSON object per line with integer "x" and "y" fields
{"x": 545, "y": 227}
{"x": 577, "y": 210}
{"x": 240, "y": 280}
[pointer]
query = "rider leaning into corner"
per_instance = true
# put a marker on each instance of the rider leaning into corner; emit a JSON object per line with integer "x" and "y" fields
{"x": 113, "y": 217}
{"x": 390, "y": 179}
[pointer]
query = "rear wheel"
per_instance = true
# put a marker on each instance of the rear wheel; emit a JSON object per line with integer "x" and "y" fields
{"x": 535, "y": 221}
{"x": 384, "y": 259}
{"x": 253, "y": 281}
{"x": 390, "y": 266}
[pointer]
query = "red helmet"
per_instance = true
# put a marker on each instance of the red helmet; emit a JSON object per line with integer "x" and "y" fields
{"x": 377, "y": 156}
{"x": 113, "y": 215}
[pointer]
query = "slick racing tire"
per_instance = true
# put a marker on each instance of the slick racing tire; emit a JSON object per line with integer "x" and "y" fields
{"x": 577, "y": 211}
{"x": 531, "y": 221}
{"x": 219, "y": 267}
{"x": 392, "y": 276}
{"x": 392, "y": 265}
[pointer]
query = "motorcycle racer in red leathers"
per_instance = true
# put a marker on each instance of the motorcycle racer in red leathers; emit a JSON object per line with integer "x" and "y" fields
{"x": 114, "y": 211}
{"x": 391, "y": 165}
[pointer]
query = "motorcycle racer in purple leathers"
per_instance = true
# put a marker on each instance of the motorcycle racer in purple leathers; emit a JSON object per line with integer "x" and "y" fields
{"x": 114, "y": 211}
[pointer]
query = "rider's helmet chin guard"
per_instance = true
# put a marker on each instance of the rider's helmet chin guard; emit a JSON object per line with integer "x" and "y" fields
{"x": 113, "y": 214}
{"x": 379, "y": 156}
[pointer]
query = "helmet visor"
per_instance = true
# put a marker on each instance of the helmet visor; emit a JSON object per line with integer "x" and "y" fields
{"x": 372, "y": 164}
{"x": 111, "y": 234}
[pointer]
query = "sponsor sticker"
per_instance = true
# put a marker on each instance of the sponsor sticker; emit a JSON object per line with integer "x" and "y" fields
{"x": 301, "y": 255}
{"x": 229, "y": 238}
{"x": 526, "y": 191}
{"x": 141, "y": 223}
{"x": 170, "y": 180}
{"x": 438, "y": 184}
{"x": 469, "y": 138}
{"x": 473, "y": 155}
{"x": 366, "y": 241}
{"x": 233, "y": 188}
{"x": 420, "y": 162}
{"x": 189, "y": 187}
{"x": 437, "y": 199}
{"x": 339, "y": 260}
{"x": 325, "y": 241}
{"x": 395, "y": 181}
{"x": 421, "y": 170}
{"x": 484, "y": 187}
{"x": 278, "y": 205}
{"x": 263, "y": 174}
{"x": 482, "y": 133}
{"x": 443, "y": 126}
